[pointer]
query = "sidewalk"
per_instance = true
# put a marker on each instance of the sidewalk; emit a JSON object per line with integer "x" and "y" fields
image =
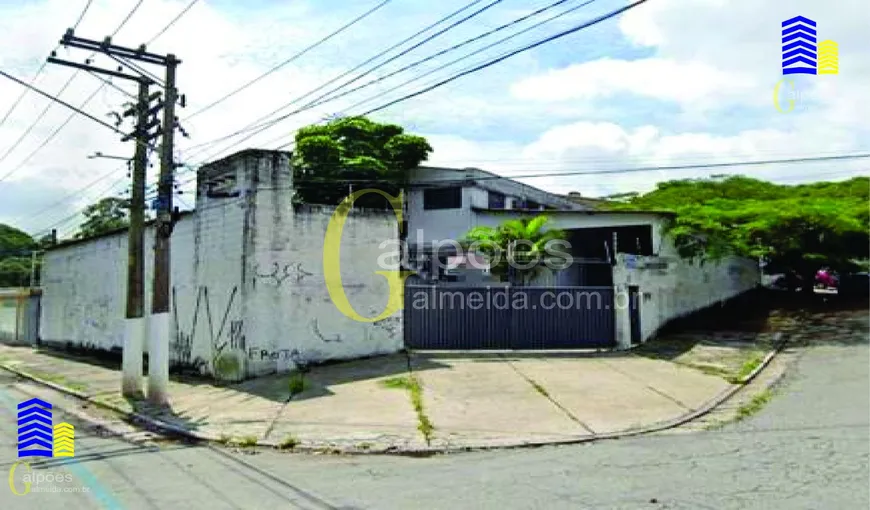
{"x": 466, "y": 400}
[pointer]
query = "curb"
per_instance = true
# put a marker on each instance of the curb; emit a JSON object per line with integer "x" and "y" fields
{"x": 164, "y": 427}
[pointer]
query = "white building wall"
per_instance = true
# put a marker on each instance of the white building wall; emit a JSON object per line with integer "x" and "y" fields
{"x": 671, "y": 287}
{"x": 249, "y": 296}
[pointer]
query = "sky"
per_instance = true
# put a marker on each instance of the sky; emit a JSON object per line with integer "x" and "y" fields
{"x": 668, "y": 83}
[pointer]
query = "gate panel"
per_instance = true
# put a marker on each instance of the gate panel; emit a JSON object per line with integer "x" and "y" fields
{"x": 456, "y": 318}
{"x": 562, "y": 318}
{"x": 447, "y": 317}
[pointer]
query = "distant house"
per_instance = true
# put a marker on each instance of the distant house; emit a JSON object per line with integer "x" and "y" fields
{"x": 445, "y": 203}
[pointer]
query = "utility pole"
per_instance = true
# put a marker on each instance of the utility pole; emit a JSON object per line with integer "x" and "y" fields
{"x": 131, "y": 382}
{"x": 158, "y": 347}
{"x": 158, "y": 350}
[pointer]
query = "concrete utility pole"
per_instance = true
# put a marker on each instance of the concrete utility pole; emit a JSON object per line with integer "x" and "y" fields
{"x": 158, "y": 347}
{"x": 131, "y": 379}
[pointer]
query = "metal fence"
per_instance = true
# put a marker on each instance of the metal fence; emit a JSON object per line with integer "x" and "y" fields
{"x": 19, "y": 316}
{"x": 441, "y": 317}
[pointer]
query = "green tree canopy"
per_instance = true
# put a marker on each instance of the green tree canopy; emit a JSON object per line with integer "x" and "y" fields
{"x": 524, "y": 241}
{"x": 108, "y": 214}
{"x": 357, "y": 152}
{"x": 15, "y": 248}
{"x": 800, "y": 227}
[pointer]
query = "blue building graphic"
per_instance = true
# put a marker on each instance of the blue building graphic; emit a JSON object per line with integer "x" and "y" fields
{"x": 35, "y": 434}
{"x": 799, "y": 46}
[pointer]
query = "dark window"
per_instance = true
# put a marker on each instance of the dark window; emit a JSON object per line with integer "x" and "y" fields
{"x": 533, "y": 205}
{"x": 519, "y": 203}
{"x": 442, "y": 198}
{"x": 496, "y": 200}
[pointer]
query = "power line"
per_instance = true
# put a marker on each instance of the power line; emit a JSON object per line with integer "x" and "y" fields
{"x": 127, "y": 18}
{"x": 41, "y": 69}
{"x": 39, "y": 117}
{"x": 173, "y": 22}
{"x": 57, "y": 99}
{"x": 64, "y": 103}
{"x": 267, "y": 125}
{"x": 50, "y": 137}
{"x": 471, "y": 54}
{"x": 319, "y": 101}
{"x": 260, "y": 127}
{"x": 352, "y": 70}
{"x": 82, "y": 15}
{"x": 506, "y": 56}
{"x": 291, "y": 59}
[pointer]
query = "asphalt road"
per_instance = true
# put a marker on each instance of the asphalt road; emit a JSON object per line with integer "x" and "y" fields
{"x": 809, "y": 448}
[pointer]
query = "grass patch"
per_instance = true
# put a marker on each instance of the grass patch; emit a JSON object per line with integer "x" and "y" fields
{"x": 246, "y": 441}
{"x": 753, "y": 406}
{"x": 412, "y": 384}
{"x": 224, "y": 439}
{"x": 747, "y": 368}
{"x": 288, "y": 443}
{"x": 540, "y": 389}
{"x": 397, "y": 383}
{"x": 296, "y": 384}
{"x": 59, "y": 380}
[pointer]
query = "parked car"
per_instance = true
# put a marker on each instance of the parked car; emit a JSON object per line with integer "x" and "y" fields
{"x": 826, "y": 279}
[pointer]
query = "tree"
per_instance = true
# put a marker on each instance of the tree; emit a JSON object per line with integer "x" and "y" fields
{"x": 516, "y": 248}
{"x": 15, "y": 249}
{"x": 357, "y": 152}
{"x": 108, "y": 214}
{"x": 799, "y": 227}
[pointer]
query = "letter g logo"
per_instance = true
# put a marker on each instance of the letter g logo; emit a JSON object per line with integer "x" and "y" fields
{"x": 776, "y": 94}
{"x": 12, "y": 479}
{"x": 332, "y": 261}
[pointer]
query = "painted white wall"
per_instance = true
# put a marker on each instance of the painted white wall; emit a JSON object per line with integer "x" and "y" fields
{"x": 673, "y": 287}
{"x": 248, "y": 287}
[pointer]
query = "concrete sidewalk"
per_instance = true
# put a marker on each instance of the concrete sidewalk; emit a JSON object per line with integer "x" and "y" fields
{"x": 398, "y": 402}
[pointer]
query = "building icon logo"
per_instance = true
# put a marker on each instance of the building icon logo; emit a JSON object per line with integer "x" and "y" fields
{"x": 37, "y": 437}
{"x": 801, "y": 51}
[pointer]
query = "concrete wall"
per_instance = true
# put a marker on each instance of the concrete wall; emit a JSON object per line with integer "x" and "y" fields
{"x": 248, "y": 281}
{"x": 19, "y": 316}
{"x": 672, "y": 287}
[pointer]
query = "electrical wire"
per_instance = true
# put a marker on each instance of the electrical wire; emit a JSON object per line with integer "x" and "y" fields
{"x": 269, "y": 123}
{"x": 41, "y": 69}
{"x": 506, "y": 56}
{"x": 346, "y": 73}
{"x": 173, "y": 22}
{"x": 289, "y": 60}
{"x": 56, "y": 98}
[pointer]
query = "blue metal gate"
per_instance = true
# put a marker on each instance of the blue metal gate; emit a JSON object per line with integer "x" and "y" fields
{"x": 450, "y": 317}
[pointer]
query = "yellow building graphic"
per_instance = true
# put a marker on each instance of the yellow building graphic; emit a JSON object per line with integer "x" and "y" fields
{"x": 829, "y": 57}
{"x": 64, "y": 440}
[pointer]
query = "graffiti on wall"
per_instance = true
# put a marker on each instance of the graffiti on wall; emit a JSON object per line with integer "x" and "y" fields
{"x": 279, "y": 274}
{"x": 225, "y": 341}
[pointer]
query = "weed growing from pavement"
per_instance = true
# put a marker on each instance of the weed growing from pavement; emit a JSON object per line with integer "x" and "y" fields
{"x": 246, "y": 441}
{"x": 296, "y": 384}
{"x": 59, "y": 380}
{"x": 288, "y": 443}
{"x": 540, "y": 389}
{"x": 412, "y": 384}
{"x": 753, "y": 406}
{"x": 747, "y": 368}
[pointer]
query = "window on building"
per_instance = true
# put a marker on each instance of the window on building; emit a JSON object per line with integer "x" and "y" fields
{"x": 442, "y": 198}
{"x": 533, "y": 205}
{"x": 496, "y": 200}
